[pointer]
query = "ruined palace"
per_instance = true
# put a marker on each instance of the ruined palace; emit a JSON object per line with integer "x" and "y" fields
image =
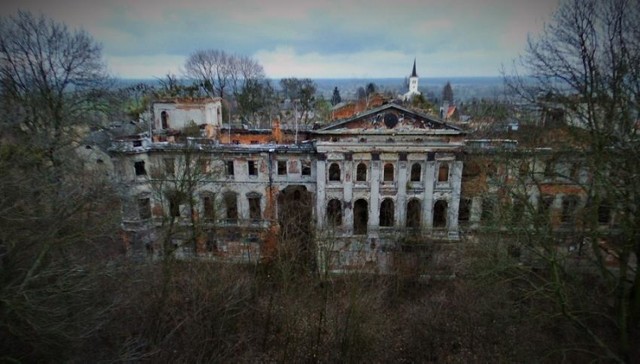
{"x": 349, "y": 195}
{"x": 363, "y": 181}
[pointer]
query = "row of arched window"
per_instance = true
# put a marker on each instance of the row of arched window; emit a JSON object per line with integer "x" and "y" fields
{"x": 387, "y": 214}
{"x": 388, "y": 174}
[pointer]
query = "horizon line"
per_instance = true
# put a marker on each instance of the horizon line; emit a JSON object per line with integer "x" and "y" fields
{"x": 328, "y": 78}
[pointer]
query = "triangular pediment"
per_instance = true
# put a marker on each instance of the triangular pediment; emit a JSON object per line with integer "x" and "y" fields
{"x": 392, "y": 119}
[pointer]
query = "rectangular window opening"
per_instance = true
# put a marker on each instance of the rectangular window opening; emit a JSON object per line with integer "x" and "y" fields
{"x": 139, "y": 167}
{"x": 169, "y": 166}
{"x": 144, "y": 208}
{"x": 254, "y": 208}
{"x": 253, "y": 171}
{"x": 209, "y": 212}
{"x": 306, "y": 168}
{"x": 230, "y": 170}
{"x": 282, "y": 168}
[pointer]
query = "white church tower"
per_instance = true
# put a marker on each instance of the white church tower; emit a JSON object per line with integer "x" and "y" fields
{"x": 413, "y": 84}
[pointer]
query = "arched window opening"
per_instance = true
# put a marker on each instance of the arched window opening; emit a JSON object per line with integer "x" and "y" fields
{"x": 360, "y": 217}
{"x": 144, "y": 208}
{"x": 569, "y": 208}
{"x": 334, "y": 172}
{"x": 164, "y": 117}
{"x": 440, "y": 214}
{"x": 414, "y": 212}
{"x": 387, "y": 217}
{"x": 334, "y": 212}
{"x": 231, "y": 205}
{"x": 443, "y": 172}
{"x": 255, "y": 212}
{"x": 388, "y": 172}
{"x": 416, "y": 171}
{"x": 361, "y": 172}
{"x": 208, "y": 207}
{"x": 175, "y": 200}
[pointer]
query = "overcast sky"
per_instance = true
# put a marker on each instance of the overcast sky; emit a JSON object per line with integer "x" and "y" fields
{"x": 318, "y": 39}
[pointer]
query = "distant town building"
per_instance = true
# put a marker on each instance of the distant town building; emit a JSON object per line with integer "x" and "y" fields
{"x": 413, "y": 84}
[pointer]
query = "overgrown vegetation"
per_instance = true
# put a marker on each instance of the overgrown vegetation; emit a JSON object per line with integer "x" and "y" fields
{"x": 218, "y": 312}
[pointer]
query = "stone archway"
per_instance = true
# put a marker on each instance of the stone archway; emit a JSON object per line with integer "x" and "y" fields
{"x": 360, "y": 217}
{"x": 440, "y": 214}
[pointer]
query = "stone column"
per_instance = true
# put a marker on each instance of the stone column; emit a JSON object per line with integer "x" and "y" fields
{"x": 401, "y": 201}
{"x": 321, "y": 180}
{"x": 429, "y": 183}
{"x": 374, "y": 200}
{"x": 347, "y": 188}
{"x": 454, "y": 203}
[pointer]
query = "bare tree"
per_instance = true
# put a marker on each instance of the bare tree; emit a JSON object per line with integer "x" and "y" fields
{"x": 212, "y": 68}
{"x": 585, "y": 64}
{"x": 57, "y": 209}
{"x": 244, "y": 69}
{"x": 50, "y": 78}
{"x": 256, "y": 100}
{"x": 301, "y": 92}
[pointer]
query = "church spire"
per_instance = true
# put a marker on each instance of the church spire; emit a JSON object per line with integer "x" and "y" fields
{"x": 414, "y": 74}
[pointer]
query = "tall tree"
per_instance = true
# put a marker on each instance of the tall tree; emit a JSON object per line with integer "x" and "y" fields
{"x": 301, "y": 92}
{"x": 244, "y": 70}
{"x": 256, "y": 100}
{"x": 56, "y": 208}
{"x": 447, "y": 93}
{"x": 585, "y": 63}
{"x": 212, "y": 68}
{"x": 335, "y": 98}
{"x": 50, "y": 79}
{"x": 371, "y": 89}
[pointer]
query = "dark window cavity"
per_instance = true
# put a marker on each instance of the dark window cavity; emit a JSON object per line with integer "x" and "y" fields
{"x": 253, "y": 171}
{"x": 231, "y": 206}
{"x": 334, "y": 172}
{"x": 388, "y": 172}
{"x": 282, "y": 168}
{"x": 334, "y": 212}
{"x": 139, "y": 167}
{"x": 414, "y": 213}
{"x": 443, "y": 172}
{"x": 254, "y": 207}
{"x": 416, "y": 172}
{"x": 361, "y": 172}
{"x": 440, "y": 213}
{"x": 387, "y": 212}
{"x": 230, "y": 171}
{"x": 144, "y": 208}
{"x": 360, "y": 217}
{"x": 306, "y": 168}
